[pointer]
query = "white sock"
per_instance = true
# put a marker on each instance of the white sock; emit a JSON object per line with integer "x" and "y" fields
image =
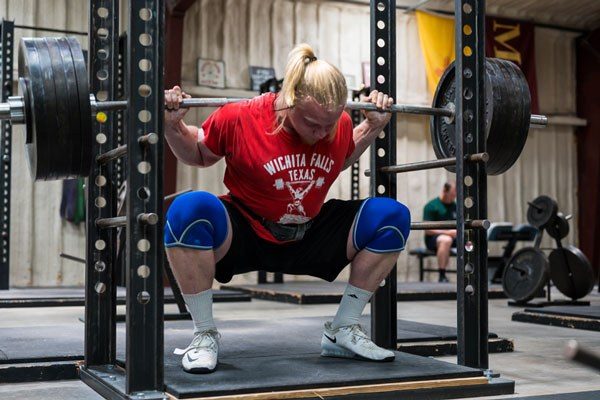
{"x": 200, "y": 307}
{"x": 351, "y": 307}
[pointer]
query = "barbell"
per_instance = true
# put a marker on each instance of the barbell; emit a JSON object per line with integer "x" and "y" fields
{"x": 56, "y": 107}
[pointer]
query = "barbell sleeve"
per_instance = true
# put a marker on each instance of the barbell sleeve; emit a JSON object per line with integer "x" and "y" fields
{"x": 430, "y": 164}
{"x": 469, "y": 224}
{"x": 539, "y": 120}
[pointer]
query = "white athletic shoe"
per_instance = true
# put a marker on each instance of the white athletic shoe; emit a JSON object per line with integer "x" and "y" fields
{"x": 352, "y": 342}
{"x": 200, "y": 357}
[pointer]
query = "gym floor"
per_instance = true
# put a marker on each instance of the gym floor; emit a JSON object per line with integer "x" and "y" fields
{"x": 537, "y": 364}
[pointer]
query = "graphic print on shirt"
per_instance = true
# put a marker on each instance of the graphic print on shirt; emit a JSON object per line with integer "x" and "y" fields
{"x": 298, "y": 177}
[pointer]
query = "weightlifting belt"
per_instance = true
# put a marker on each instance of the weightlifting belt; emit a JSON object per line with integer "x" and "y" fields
{"x": 281, "y": 232}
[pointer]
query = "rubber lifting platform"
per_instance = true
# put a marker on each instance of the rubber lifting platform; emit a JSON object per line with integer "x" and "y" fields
{"x": 319, "y": 292}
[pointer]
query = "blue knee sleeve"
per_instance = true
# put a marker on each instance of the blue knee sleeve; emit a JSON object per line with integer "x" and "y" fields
{"x": 196, "y": 220}
{"x": 382, "y": 225}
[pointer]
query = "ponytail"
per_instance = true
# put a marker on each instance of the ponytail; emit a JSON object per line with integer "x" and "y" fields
{"x": 305, "y": 76}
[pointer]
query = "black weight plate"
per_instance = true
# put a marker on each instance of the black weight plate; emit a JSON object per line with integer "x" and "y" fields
{"x": 73, "y": 106}
{"x": 517, "y": 111}
{"x": 525, "y": 274}
{"x": 496, "y": 144}
{"x": 443, "y": 132}
{"x": 85, "y": 110}
{"x": 507, "y": 115}
{"x": 443, "y": 136}
{"x": 32, "y": 88}
{"x": 51, "y": 153}
{"x": 571, "y": 272}
{"x": 542, "y": 210}
{"x": 558, "y": 228}
{"x": 62, "y": 146}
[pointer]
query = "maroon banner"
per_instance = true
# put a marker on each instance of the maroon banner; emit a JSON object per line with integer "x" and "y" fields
{"x": 514, "y": 41}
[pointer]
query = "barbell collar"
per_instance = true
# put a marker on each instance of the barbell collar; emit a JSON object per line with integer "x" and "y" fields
{"x": 430, "y": 164}
{"x": 470, "y": 224}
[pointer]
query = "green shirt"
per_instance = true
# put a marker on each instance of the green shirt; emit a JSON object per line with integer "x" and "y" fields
{"x": 435, "y": 210}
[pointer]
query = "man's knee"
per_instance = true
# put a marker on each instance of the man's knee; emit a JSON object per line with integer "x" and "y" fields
{"x": 382, "y": 225}
{"x": 196, "y": 220}
{"x": 444, "y": 241}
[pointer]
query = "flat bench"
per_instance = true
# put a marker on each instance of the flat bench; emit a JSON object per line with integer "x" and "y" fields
{"x": 498, "y": 232}
{"x": 422, "y": 253}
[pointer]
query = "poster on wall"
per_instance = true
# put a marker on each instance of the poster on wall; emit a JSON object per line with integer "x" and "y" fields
{"x": 211, "y": 73}
{"x": 259, "y": 75}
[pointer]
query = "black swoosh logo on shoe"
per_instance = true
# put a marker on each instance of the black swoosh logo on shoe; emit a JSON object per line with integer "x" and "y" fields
{"x": 353, "y": 295}
{"x": 190, "y": 358}
{"x": 334, "y": 340}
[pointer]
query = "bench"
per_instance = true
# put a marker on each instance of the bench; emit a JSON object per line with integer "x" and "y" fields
{"x": 498, "y": 232}
{"x": 422, "y": 253}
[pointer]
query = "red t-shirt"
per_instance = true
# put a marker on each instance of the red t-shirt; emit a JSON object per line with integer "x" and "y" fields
{"x": 276, "y": 176}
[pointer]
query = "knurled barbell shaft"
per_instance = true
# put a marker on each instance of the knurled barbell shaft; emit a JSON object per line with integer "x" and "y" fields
{"x": 430, "y": 164}
{"x": 470, "y": 224}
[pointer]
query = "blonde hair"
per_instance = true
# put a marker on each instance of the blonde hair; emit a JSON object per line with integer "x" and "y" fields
{"x": 305, "y": 75}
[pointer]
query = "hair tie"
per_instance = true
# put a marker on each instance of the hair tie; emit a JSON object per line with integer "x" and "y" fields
{"x": 308, "y": 60}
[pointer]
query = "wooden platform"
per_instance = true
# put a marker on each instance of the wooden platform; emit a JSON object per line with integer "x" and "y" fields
{"x": 45, "y": 353}
{"x": 320, "y": 292}
{"x": 280, "y": 359}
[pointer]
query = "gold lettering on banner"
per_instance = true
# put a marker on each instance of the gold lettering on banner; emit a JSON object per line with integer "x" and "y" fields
{"x": 507, "y": 51}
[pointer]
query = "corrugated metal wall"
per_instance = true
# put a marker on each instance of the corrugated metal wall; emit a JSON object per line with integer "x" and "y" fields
{"x": 261, "y": 32}
{"x": 340, "y": 34}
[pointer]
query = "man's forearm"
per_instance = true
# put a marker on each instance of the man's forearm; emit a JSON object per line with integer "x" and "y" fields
{"x": 364, "y": 134}
{"x": 183, "y": 141}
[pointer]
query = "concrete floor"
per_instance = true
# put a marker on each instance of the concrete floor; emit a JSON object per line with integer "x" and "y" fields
{"x": 536, "y": 365}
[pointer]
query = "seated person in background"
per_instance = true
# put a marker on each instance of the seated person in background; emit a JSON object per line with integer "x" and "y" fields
{"x": 442, "y": 208}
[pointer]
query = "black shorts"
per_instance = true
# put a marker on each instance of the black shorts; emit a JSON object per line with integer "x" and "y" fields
{"x": 321, "y": 252}
{"x": 431, "y": 242}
